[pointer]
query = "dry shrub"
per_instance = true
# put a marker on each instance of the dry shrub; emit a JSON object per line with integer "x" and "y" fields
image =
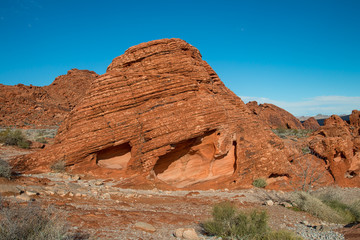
{"x": 316, "y": 207}
{"x": 59, "y": 166}
{"x": 5, "y": 169}
{"x": 15, "y": 138}
{"x": 31, "y": 223}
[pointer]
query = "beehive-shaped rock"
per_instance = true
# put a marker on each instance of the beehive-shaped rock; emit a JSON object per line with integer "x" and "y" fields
{"x": 160, "y": 111}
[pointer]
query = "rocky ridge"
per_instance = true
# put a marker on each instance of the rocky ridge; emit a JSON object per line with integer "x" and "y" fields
{"x": 31, "y": 106}
{"x": 274, "y": 116}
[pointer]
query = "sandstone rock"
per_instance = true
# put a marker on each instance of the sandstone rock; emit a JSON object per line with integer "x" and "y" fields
{"x": 186, "y": 233}
{"x": 161, "y": 110}
{"x": 190, "y": 234}
{"x": 286, "y": 204}
{"x": 336, "y": 143}
{"x": 144, "y": 227}
{"x": 24, "y": 197}
{"x": 31, "y": 193}
{"x": 25, "y": 106}
{"x": 311, "y": 124}
{"x": 99, "y": 183}
{"x": 274, "y": 116}
{"x": 77, "y": 194}
{"x": 269, "y": 203}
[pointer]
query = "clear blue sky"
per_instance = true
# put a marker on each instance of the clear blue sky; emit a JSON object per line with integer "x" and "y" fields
{"x": 302, "y": 55}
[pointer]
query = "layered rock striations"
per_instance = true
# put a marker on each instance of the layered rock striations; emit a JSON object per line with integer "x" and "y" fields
{"x": 32, "y": 106}
{"x": 274, "y": 116}
{"x": 338, "y": 144}
{"x": 161, "y": 113}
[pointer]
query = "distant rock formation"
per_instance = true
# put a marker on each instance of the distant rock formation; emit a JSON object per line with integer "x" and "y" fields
{"x": 31, "y": 106}
{"x": 338, "y": 144}
{"x": 160, "y": 114}
{"x": 311, "y": 124}
{"x": 274, "y": 116}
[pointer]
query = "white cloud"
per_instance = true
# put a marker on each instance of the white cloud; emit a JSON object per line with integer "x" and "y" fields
{"x": 311, "y": 106}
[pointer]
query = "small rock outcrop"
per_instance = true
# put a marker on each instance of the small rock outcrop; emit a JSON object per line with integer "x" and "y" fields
{"x": 311, "y": 124}
{"x": 31, "y": 106}
{"x": 161, "y": 114}
{"x": 338, "y": 144}
{"x": 274, "y": 116}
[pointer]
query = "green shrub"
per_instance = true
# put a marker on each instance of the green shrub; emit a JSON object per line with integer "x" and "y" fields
{"x": 59, "y": 166}
{"x": 14, "y": 137}
{"x": 298, "y": 133}
{"x": 31, "y": 223}
{"x": 41, "y": 140}
{"x": 350, "y": 213}
{"x": 259, "y": 182}
{"x": 316, "y": 207}
{"x": 229, "y": 223}
{"x": 5, "y": 169}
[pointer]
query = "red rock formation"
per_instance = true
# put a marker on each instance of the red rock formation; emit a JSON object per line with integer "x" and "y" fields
{"x": 161, "y": 114}
{"x": 311, "y": 124}
{"x": 31, "y": 106}
{"x": 274, "y": 116}
{"x": 337, "y": 143}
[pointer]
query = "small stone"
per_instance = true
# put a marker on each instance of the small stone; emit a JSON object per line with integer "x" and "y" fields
{"x": 145, "y": 227}
{"x": 62, "y": 193}
{"x": 71, "y": 194}
{"x": 83, "y": 195}
{"x": 286, "y": 204}
{"x": 77, "y": 194}
{"x": 31, "y": 193}
{"x": 75, "y": 177}
{"x": 23, "y": 197}
{"x": 99, "y": 183}
{"x": 323, "y": 228}
{"x": 306, "y": 223}
{"x": 179, "y": 232}
{"x": 49, "y": 192}
{"x": 269, "y": 203}
{"x": 106, "y": 196}
{"x": 190, "y": 234}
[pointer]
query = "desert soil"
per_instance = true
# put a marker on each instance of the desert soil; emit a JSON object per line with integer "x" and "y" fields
{"x": 105, "y": 210}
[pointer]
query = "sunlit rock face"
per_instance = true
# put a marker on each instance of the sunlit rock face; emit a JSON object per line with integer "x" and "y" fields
{"x": 338, "y": 144}
{"x": 161, "y": 112}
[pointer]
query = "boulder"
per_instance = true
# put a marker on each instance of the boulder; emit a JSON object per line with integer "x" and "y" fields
{"x": 311, "y": 124}
{"x": 147, "y": 227}
{"x": 274, "y": 116}
{"x": 337, "y": 144}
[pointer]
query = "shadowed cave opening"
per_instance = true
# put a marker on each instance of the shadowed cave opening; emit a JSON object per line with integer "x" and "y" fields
{"x": 194, "y": 160}
{"x": 115, "y": 157}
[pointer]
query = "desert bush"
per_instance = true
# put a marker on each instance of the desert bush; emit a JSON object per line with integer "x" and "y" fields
{"x": 308, "y": 177}
{"x": 350, "y": 213}
{"x": 31, "y": 223}
{"x": 298, "y": 133}
{"x": 5, "y": 169}
{"x": 259, "y": 182}
{"x": 41, "y": 140}
{"x": 59, "y": 166}
{"x": 316, "y": 207}
{"x": 229, "y": 223}
{"x": 14, "y": 137}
